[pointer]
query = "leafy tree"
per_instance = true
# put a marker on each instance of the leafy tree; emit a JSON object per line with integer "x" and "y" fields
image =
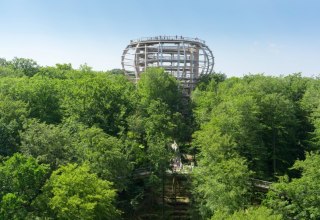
{"x": 298, "y": 198}
{"x": 252, "y": 213}
{"x": 43, "y": 99}
{"x": 157, "y": 116}
{"x": 315, "y": 134}
{"x": 155, "y": 123}
{"x": 52, "y": 73}
{"x": 117, "y": 71}
{"x": 207, "y": 79}
{"x": 239, "y": 119}
{"x": 222, "y": 186}
{"x": 13, "y": 207}
{"x": 85, "y": 68}
{"x": 3, "y": 62}
{"x": 311, "y": 98}
{"x": 28, "y": 66}
{"x": 64, "y": 66}
{"x": 280, "y": 124}
{"x": 158, "y": 123}
{"x": 221, "y": 180}
{"x": 311, "y": 105}
{"x": 72, "y": 192}
{"x": 161, "y": 106}
{"x": 156, "y": 84}
{"x": 297, "y": 87}
{"x": 285, "y": 123}
{"x": 262, "y": 114}
{"x": 105, "y": 155}
{"x": 158, "y": 134}
{"x": 255, "y": 118}
{"x": 6, "y": 71}
{"x": 103, "y": 100}
{"x": 12, "y": 115}
{"x": 41, "y": 94}
{"x": 204, "y": 101}
{"x": 50, "y": 144}
{"x": 21, "y": 180}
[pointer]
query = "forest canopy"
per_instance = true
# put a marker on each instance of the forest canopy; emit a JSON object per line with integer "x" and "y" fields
{"x": 73, "y": 140}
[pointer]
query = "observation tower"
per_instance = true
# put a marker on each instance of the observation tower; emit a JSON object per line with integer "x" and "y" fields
{"x": 183, "y": 57}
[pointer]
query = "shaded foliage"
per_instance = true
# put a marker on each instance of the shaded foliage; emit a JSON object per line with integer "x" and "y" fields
{"x": 12, "y": 115}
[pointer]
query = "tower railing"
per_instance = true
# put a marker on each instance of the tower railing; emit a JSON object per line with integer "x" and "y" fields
{"x": 171, "y": 38}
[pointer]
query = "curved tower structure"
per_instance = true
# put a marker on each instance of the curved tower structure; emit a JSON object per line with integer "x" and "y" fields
{"x": 185, "y": 58}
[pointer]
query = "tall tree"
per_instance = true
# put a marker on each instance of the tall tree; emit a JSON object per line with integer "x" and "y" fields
{"x": 221, "y": 180}
{"x": 280, "y": 127}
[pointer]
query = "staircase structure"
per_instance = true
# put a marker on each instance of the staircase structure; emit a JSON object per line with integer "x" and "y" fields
{"x": 177, "y": 197}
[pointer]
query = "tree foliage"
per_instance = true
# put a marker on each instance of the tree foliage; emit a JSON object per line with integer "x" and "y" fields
{"x": 105, "y": 155}
{"x": 298, "y": 198}
{"x": 98, "y": 99}
{"x": 252, "y": 213}
{"x": 29, "y": 67}
{"x": 50, "y": 144}
{"x": 75, "y": 193}
{"x": 12, "y": 115}
{"x": 262, "y": 114}
{"x": 21, "y": 180}
{"x": 221, "y": 180}
{"x": 94, "y": 131}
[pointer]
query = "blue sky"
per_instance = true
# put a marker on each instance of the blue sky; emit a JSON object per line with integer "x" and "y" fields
{"x": 246, "y": 36}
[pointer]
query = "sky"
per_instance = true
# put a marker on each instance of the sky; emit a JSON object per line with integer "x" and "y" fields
{"x": 274, "y": 37}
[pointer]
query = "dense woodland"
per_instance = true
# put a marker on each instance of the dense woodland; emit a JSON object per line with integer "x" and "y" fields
{"x": 71, "y": 141}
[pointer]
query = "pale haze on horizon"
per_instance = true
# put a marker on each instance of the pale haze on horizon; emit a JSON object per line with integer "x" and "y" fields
{"x": 246, "y": 36}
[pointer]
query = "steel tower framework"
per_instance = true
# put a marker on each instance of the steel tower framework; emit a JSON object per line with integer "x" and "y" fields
{"x": 185, "y": 58}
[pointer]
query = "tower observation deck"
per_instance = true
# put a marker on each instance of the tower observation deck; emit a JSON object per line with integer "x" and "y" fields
{"x": 184, "y": 58}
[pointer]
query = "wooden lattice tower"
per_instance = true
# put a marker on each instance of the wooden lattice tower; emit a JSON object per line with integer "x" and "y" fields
{"x": 185, "y": 58}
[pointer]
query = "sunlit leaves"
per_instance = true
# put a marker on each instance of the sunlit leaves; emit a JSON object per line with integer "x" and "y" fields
{"x": 21, "y": 180}
{"x": 75, "y": 193}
